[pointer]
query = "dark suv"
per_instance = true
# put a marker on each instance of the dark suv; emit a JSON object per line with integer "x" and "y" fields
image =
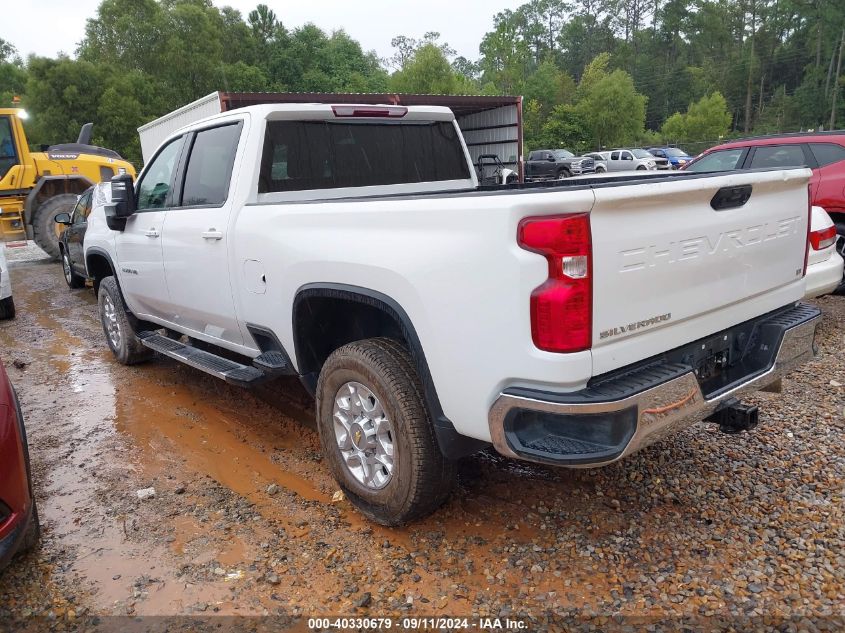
{"x": 823, "y": 152}
{"x": 554, "y": 164}
{"x": 72, "y": 238}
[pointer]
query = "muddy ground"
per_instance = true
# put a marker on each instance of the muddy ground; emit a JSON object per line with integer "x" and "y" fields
{"x": 246, "y": 520}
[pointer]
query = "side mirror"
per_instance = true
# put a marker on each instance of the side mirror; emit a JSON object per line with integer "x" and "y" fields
{"x": 551, "y": 159}
{"x": 123, "y": 196}
{"x": 62, "y": 218}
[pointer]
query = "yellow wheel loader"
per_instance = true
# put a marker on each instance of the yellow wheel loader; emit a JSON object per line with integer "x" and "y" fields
{"x": 36, "y": 186}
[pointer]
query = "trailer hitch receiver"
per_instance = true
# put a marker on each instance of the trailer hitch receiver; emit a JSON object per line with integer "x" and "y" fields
{"x": 734, "y": 417}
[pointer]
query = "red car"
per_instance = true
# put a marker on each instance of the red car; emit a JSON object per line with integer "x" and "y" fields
{"x": 19, "y": 526}
{"x": 823, "y": 152}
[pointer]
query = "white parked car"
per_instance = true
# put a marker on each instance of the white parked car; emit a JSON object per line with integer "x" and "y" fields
{"x": 629, "y": 160}
{"x": 568, "y": 324}
{"x": 7, "y": 303}
{"x": 824, "y": 265}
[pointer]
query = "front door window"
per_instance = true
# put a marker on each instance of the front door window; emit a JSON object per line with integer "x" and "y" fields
{"x": 8, "y": 156}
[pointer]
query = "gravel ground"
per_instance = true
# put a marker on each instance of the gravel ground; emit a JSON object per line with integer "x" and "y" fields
{"x": 724, "y": 531}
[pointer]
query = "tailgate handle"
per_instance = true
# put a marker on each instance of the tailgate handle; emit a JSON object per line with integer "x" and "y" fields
{"x": 731, "y": 197}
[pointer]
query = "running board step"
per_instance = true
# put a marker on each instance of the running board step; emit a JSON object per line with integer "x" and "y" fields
{"x": 229, "y": 370}
{"x": 273, "y": 362}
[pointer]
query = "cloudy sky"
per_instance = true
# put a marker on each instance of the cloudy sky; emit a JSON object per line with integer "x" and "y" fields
{"x": 46, "y": 27}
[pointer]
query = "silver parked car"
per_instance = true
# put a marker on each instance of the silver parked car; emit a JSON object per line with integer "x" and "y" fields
{"x": 630, "y": 160}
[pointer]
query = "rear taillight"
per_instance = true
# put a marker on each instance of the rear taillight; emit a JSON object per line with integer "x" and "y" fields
{"x": 820, "y": 240}
{"x": 561, "y": 308}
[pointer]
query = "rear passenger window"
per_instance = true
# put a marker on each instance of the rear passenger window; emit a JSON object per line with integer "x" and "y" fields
{"x": 210, "y": 166}
{"x": 303, "y": 155}
{"x": 614, "y": 156}
{"x": 827, "y": 153}
{"x": 778, "y": 156}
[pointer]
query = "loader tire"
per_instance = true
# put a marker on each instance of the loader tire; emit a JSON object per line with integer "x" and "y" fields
{"x": 44, "y": 222}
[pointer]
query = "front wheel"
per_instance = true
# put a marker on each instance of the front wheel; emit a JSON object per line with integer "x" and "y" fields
{"x": 377, "y": 434}
{"x": 563, "y": 173}
{"x": 118, "y": 325}
{"x": 71, "y": 278}
{"x": 642, "y": 168}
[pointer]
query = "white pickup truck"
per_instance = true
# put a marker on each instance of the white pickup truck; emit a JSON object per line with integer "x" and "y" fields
{"x": 571, "y": 324}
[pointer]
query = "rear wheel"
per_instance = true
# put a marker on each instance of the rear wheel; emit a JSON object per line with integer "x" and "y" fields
{"x": 377, "y": 435}
{"x": 119, "y": 325}
{"x": 71, "y": 278}
{"x": 44, "y": 228}
{"x": 7, "y": 308}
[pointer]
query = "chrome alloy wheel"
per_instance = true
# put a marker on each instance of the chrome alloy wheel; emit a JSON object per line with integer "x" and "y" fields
{"x": 66, "y": 268}
{"x": 364, "y": 435}
{"x": 110, "y": 321}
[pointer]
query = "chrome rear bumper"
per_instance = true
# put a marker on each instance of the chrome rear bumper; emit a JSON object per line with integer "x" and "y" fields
{"x": 662, "y": 408}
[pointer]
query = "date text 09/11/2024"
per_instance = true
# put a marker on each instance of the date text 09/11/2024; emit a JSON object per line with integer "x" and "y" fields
{"x": 417, "y": 624}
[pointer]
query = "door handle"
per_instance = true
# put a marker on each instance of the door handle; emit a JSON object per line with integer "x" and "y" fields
{"x": 152, "y": 233}
{"x": 212, "y": 234}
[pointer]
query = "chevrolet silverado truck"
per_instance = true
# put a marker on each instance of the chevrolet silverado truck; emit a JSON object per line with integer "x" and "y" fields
{"x": 568, "y": 323}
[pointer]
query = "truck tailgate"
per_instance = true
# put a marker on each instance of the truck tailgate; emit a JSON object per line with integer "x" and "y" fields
{"x": 668, "y": 268}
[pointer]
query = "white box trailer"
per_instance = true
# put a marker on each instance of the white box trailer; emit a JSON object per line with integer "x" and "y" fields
{"x": 491, "y": 125}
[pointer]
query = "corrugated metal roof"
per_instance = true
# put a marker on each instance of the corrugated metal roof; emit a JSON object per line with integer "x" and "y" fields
{"x": 461, "y": 105}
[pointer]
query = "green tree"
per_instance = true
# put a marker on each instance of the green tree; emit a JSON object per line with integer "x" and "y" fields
{"x": 12, "y": 74}
{"x": 429, "y": 72}
{"x": 612, "y": 109}
{"x": 549, "y": 86}
{"x": 567, "y": 127}
{"x": 707, "y": 119}
{"x": 262, "y": 20}
{"x": 62, "y": 94}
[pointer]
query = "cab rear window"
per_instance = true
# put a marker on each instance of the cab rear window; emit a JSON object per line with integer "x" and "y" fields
{"x": 303, "y": 155}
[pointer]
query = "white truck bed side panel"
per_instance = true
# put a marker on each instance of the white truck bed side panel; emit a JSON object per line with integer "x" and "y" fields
{"x": 460, "y": 277}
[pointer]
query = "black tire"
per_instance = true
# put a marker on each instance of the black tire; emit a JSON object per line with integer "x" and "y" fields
{"x": 512, "y": 179}
{"x": 72, "y": 280}
{"x": 422, "y": 478}
{"x": 7, "y": 308}
{"x": 119, "y": 325}
{"x": 600, "y": 170}
{"x": 642, "y": 168}
{"x": 563, "y": 173}
{"x": 44, "y": 222}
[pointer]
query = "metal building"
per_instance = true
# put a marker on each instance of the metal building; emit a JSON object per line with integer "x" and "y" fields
{"x": 491, "y": 125}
